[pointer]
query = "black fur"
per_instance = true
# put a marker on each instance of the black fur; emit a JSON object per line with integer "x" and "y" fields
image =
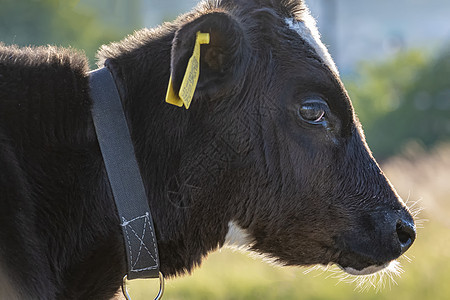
{"x": 57, "y": 219}
{"x": 241, "y": 153}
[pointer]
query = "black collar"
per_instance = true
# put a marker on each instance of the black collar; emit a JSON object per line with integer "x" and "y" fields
{"x": 124, "y": 177}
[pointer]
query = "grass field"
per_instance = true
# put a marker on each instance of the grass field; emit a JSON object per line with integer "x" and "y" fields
{"x": 426, "y": 275}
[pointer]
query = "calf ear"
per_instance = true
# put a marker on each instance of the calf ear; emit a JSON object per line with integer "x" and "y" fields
{"x": 222, "y": 56}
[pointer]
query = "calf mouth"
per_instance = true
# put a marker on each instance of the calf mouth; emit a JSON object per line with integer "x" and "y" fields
{"x": 358, "y": 264}
{"x": 366, "y": 271}
{"x": 375, "y": 277}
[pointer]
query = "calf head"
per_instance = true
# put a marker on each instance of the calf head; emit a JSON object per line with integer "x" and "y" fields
{"x": 270, "y": 155}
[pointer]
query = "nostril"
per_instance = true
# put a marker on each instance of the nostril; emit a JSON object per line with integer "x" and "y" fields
{"x": 406, "y": 233}
{"x": 403, "y": 236}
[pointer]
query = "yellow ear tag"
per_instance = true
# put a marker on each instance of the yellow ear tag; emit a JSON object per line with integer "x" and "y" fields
{"x": 190, "y": 78}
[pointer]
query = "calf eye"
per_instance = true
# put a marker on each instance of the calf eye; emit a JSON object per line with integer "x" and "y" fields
{"x": 313, "y": 111}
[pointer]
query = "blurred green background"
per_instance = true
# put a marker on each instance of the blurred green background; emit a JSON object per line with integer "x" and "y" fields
{"x": 394, "y": 58}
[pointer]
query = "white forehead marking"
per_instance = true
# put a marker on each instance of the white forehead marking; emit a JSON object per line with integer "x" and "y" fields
{"x": 237, "y": 237}
{"x": 307, "y": 29}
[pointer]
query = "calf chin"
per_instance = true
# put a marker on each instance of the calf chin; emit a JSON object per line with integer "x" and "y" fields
{"x": 7, "y": 291}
